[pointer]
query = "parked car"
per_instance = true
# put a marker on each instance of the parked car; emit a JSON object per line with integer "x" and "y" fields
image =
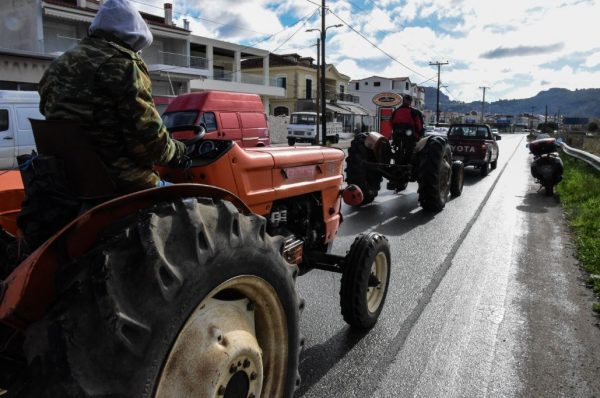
{"x": 225, "y": 116}
{"x": 16, "y": 136}
{"x": 474, "y": 145}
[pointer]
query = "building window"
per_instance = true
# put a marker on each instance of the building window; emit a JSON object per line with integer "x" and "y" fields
{"x": 377, "y": 84}
{"x": 281, "y": 111}
{"x": 282, "y": 82}
{"x": 366, "y": 83}
{"x": 342, "y": 89}
{"x": 356, "y": 86}
{"x": 309, "y": 93}
{"x": 407, "y": 86}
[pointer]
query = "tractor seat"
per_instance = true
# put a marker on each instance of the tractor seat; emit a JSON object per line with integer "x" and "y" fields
{"x": 85, "y": 173}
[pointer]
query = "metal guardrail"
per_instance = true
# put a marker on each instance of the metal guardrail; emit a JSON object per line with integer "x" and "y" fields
{"x": 589, "y": 158}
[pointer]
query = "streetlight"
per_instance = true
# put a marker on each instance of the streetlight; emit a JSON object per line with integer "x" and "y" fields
{"x": 323, "y": 32}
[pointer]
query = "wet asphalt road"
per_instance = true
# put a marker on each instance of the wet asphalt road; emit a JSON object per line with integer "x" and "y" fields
{"x": 459, "y": 317}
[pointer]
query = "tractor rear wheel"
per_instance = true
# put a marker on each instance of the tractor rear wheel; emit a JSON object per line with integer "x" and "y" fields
{"x": 434, "y": 174}
{"x": 189, "y": 298}
{"x": 365, "y": 280}
{"x": 369, "y": 181}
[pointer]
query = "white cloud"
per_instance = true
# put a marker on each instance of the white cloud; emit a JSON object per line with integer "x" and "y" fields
{"x": 593, "y": 60}
{"x": 416, "y": 32}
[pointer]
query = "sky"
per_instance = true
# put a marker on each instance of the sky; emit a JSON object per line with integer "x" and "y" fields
{"x": 516, "y": 48}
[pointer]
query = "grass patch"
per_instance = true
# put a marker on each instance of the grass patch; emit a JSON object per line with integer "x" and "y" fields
{"x": 580, "y": 196}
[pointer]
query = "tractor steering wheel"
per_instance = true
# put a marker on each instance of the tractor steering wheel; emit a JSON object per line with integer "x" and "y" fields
{"x": 200, "y": 131}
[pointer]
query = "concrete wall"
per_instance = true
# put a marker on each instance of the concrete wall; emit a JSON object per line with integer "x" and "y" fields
{"x": 278, "y": 129}
{"x": 20, "y": 25}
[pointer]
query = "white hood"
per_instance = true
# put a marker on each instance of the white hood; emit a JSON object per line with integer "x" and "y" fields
{"x": 121, "y": 19}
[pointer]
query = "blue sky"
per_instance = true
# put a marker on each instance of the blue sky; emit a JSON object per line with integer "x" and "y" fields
{"x": 515, "y": 47}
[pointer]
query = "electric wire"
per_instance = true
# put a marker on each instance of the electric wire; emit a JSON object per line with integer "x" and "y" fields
{"x": 377, "y": 47}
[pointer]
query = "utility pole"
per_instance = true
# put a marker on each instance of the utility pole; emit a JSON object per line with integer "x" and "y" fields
{"x": 437, "y": 107}
{"x": 483, "y": 104}
{"x": 323, "y": 100}
{"x": 546, "y": 118}
{"x": 318, "y": 76}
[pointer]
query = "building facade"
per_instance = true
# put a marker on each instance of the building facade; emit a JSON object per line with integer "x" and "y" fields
{"x": 298, "y": 76}
{"x": 365, "y": 89}
{"x": 178, "y": 62}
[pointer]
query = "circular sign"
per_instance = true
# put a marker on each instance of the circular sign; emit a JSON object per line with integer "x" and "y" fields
{"x": 387, "y": 99}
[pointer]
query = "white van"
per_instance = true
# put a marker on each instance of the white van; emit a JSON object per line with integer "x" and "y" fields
{"x": 16, "y": 136}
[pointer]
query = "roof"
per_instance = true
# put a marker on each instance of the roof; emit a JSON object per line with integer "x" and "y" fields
{"x": 20, "y": 96}
{"x": 149, "y": 18}
{"x": 217, "y": 101}
{"x": 280, "y": 60}
{"x": 381, "y": 77}
{"x": 355, "y": 109}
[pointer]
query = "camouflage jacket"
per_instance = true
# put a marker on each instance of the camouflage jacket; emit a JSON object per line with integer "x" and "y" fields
{"x": 107, "y": 87}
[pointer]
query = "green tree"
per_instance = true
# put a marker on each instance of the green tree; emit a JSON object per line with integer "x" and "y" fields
{"x": 593, "y": 126}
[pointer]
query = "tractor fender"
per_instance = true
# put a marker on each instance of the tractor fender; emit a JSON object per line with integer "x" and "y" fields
{"x": 421, "y": 144}
{"x": 29, "y": 289}
{"x": 380, "y": 146}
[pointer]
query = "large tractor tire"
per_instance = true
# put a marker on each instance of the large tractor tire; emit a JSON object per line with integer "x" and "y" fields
{"x": 365, "y": 280}
{"x": 369, "y": 181}
{"x": 434, "y": 174}
{"x": 188, "y": 299}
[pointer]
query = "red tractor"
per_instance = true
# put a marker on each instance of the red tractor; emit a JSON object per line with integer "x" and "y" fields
{"x": 403, "y": 156}
{"x": 183, "y": 290}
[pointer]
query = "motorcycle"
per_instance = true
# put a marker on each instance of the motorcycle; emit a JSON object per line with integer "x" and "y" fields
{"x": 547, "y": 166}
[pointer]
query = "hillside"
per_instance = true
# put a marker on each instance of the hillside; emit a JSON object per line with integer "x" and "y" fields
{"x": 585, "y": 103}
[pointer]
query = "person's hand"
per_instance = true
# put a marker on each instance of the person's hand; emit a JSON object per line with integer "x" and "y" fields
{"x": 183, "y": 163}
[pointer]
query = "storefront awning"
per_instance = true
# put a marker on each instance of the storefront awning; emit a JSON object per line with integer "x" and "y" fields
{"x": 337, "y": 109}
{"x": 356, "y": 109}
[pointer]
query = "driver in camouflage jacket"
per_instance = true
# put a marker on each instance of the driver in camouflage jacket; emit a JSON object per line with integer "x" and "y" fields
{"x": 104, "y": 84}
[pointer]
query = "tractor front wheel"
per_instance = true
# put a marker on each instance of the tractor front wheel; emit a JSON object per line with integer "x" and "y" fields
{"x": 365, "y": 280}
{"x": 191, "y": 298}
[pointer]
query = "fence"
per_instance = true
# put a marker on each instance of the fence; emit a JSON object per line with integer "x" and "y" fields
{"x": 590, "y": 159}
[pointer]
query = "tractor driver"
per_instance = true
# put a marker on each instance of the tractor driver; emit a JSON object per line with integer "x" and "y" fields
{"x": 103, "y": 83}
{"x": 406, "y": 117}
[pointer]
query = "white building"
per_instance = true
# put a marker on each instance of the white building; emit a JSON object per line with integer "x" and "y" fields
{"x": 179, "y": 62}
{"x": 369, "y": 87}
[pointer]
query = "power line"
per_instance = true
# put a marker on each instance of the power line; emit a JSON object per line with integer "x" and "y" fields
{"x": 375, "y": 46}
{"x": 297, "y": 30}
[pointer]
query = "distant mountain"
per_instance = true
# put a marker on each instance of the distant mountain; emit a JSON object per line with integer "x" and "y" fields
{"x": 584, "y": 103}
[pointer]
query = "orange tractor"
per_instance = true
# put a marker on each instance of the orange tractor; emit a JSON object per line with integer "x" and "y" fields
{"x": 183, "y": 290}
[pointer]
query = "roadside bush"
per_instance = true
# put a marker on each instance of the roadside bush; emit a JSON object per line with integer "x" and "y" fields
{"x": 580, "y": 196}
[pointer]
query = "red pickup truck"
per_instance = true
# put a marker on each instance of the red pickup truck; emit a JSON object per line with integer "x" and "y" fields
{"x": 475, "y": 145}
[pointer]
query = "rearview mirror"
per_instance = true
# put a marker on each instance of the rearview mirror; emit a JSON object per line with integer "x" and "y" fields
{"x": 497, "y": 137}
